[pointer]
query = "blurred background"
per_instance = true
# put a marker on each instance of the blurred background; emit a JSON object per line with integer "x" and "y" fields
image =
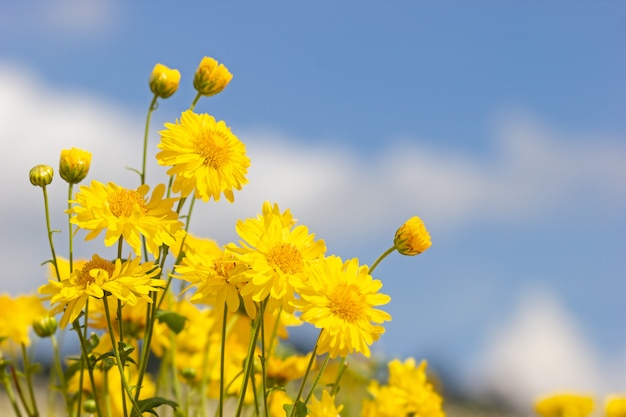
{"x": 501, "y": 124}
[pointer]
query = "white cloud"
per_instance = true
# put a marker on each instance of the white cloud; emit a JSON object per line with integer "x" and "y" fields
{"x": 540, "y": 350}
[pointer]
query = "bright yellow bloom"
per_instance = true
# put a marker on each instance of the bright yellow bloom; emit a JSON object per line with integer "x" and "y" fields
{"x": 216, "y": 277}
{"x": 564, "y": 405}
{"x": 164, "y": 81}
{"x": 126, "y": 213}
{"x": 127, "y": 281}
{"x": 289, "y": 368}
{"x": 412, "y": 238}
{"x": 408, "y": 393}
{"x": 211, "y": 77}
{"x": 324, "y": 407}
{"x": 615, "y": 406}
{"x": 205, "y": 156}
{"x": 340, "y": 299}
{"x": 74, "y": 165}
{"x": 17, "y": 314}
{"x": 41, "y": 175}
{"x": 279, "y": 256}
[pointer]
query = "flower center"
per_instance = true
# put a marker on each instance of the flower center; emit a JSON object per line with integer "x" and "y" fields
{"x": 83, "y": 278}
{"x": 124, "y": 202}
{"x": 347, "y": 302}
{"x": 286, "y": 257}
{"x": 211, "y": 145}
{"x": 223, "y": 267}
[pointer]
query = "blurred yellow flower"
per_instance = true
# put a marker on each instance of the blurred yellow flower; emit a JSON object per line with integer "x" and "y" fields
{"x": 211, "y": 77}
{"x": 205, "y": 157}
{"x": 126, "y": 213}
{"x": 412, "y": 238}
{"x": 126, "y": 281}
{"x": 325, "y": 407}
{"x": 164, "y": 81}
{"x": 615, "y": 406}
{"x": 340, "y": 299}
{"x": 278, "y": 255}
{"x": 564, "y": 405}
{"x": 17, "y": 315}
{"x": 74, "y": 165}
{"x": 408, "y": 393}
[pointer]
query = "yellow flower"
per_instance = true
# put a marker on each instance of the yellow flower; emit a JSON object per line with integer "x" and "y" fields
{"x": 216, "y": 277}
{"x": 127, "y": 281}
{"x": 324, "y": 407}
{"x": 126, "y": 213}
{"x": 74, "y": 165}
{"x": 17, "y": 314}
{"x": 279, "y": 256}
{"x": 339, "y": 298}
{"x": 564, "y": 405}
{"x": 412, "y": 238}
{"x": 164, "y": 81}
{"x": 205, "y": 157}
{"x": 615, "y": 406}
{"x": 211, "y": 77}
{"x": 41, "y": 175}
{"x": 408, "y": 393}
{"x": 289, "y": 368}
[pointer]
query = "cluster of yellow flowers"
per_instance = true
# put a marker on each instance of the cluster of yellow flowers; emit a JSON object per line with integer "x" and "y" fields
{"x": 577, "y": 405}
{"x": 222, "y": 341}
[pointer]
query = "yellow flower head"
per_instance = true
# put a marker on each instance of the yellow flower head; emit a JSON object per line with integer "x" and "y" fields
{"x": 164, "y": 81}
{"x": 564, "y": 405}
{"x": 74, "y": 165}
{"x": 278, "y": 254}
{"x": 615, "y": 406}
{"x": 340, "y": 299}
{"x": 126, "y": 213}
{"x": 17, "y": 314}
{"x": 324, "y": 407}
{"x": 205, "y": 157}
{"x": 412, "y": 238}
{"x": 127, "y": 281}
{"x": 41, "y": 175}
{"x": 211, "y": 77}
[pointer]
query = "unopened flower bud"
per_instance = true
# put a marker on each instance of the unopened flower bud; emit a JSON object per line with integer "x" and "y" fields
{"x": 41, "y": 175}
{"x": 74, "y": 165}
{"x": 45, "y": 326}
{"x": 412, "y": 238}
{"x": 211, "y": 77}
{"x": 90, "y": 406}
{"x": 164, "y": 81}
{"x": 189, "y": 374}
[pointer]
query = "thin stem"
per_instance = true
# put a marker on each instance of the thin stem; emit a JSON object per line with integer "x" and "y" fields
{"x": 342, "y": 369}
{"x": 29, "y": 380}
{"x": 306, "y": 374}
{"x": 381, "y": 257}
{"x": 249, "y": 362}
{"x": 147, "y": 339}
{"x": 7, "y": 385}
{"x": 18, "y": 388}
{"x": 70, "y": 190}
{"x": 263, "y": 367}
{"x": 120, "y": 365}
{"x": 54, "y": 255}
{"x": 317, "y": 379}
{"x": 59, "y": 371}
{"x": 84, "y": 357}
{"x": 153, "y": 106}
{"x": 222, "y": 361}
{"x": 195, "y": 101}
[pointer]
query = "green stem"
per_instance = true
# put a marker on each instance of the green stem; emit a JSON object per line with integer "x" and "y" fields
{"x": 249, "y": 361}
{"x": 61, "y": 378}
{"x": 7, "y": 385}
{"x": 70, "y": 190}
{"x": 381, "y": 257}
{"x": 263, "y": 368}
{"x": 29, "y": 380}
{"x": 222, "y": 362}
{"x": 147, "y": 339}
{"x": 18, "y": 388}
{"x": 342, "y": 369}
{"x": 317, "y": 379}
{"x": 54, "y": 255}
{"x": 195, "y": 101}
{"x": 153, "y": 106}
{"x": 84, "y": 360}
{"x": 120, "y": 365}
{"x": 306, "y": 374}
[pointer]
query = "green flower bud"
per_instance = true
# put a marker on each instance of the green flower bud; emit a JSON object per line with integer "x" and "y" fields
{"x": 45, "y": 326}
{"x": 41, "y": 175}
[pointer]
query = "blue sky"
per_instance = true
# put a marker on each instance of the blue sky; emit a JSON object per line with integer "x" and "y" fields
{"x": 500, "y": 123}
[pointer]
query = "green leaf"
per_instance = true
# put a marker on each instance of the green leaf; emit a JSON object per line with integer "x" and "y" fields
{"x": 149, "y": 404}
{"x": 173, "y": 320}
{"x": 301, "y": 410}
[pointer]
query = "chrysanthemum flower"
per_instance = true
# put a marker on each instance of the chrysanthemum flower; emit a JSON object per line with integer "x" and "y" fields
{"x": 279, "y": 256}
{"x": 164, "y": 81}
{"x": 340, "y": 299}
{"x": 205, "y": 156}
{"x": 211, "y": 77}
{"x": 74, "y": 165}
{"x": 126, "y": 213}
{"x": 325, "y": 407}
{"x": 126, "y": 281}
{"x": 216, "y": 277}
{"x": 412, "y": 238}
{"x": 565, "y": 405}
{"x": 17, "y": 315}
